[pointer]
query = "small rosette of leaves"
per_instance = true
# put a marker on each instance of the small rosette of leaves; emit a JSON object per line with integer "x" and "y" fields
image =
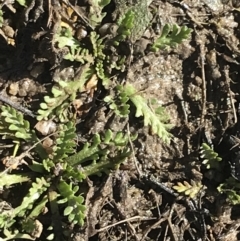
{"x": 171, "y": 36}
{"x": 13, "y": 125}
{"x": 75, "y": 209}
{"x": 231, "y": 188}
{"x": 188, "y": 189}
{"x": 210, "y": 157}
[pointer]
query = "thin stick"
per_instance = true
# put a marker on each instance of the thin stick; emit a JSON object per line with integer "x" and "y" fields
{"x": 237, "y": 141}
{"x": 133, "y": 152}
{"x": 226, "y": 73}
{"x": 155, "y": 225}
{"x": 189, "y": 13}
{"x": 129, "y": 225}
{"x": 123, "y": 221}
{"x": 204, "y": 86}
{"x": 171, "y": 225}
{"x": 85, "y": 20}
{"x": 201, "y": 42}
{"x": 6, "y": 99}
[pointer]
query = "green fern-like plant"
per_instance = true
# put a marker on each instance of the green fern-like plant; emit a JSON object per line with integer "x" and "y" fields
{"x": 63, "y": 94}
{"x": 211, "y": 158}
{"x": 171, "y": 36}
{"x": 16, "y": 235}
{"x": 89, "y": 152}
{"x": 8, "y": 218}
{"x": 13, "y": 125}
{"x": 96, "y": 15}
{"x": 106, "y": 153}
{"x": 231, "y": 188}
{"x": 116, "y": 62}
{"x": 126, "y": 25}
{"x": 77, "y": 52}
{"x": 75, "y": 208}
{"x": 119, "y": 104}
{"x": 133, "y": 20}
{"x": 65, "y": 144}
{"x": 65, "y": 91}
{"x": 64, "y": 147}
{"x": 101, "y": 73}
{"x": 7, "y": 180}
{"x": 29, "y": 225}
{"x": 151, "y": 118}
{"x": 98, "y": 46}
{"x": 38, "y": 187}
{"x": 156, "y": 118}
{"x": 189, "y": 189}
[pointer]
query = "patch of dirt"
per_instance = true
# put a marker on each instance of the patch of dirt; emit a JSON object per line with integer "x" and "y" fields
{"x": 198, "y": 84}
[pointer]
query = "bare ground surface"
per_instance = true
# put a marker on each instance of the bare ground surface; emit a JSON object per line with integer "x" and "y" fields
{"x": 197, "y": 82}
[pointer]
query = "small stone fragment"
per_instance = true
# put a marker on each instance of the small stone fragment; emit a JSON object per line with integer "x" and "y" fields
{"x": 13, "y": 89}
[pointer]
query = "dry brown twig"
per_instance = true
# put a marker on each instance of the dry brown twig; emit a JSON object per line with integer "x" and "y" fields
{"x": 129, "y": 225}
{"x": 133, "y": 152}
{"x": 155, "y": 225}
{"x": 227, "y": 78}
{"x": 204, "y": 87}
{"x": 123, "y": 221}
{"x": 201, "y": 40}
{"x": 171, "y": 226}
{"x": 84, "y": 19}
{"x": 6, "y": 99}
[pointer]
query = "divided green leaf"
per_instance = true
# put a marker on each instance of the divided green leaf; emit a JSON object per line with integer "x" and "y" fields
{"x": 188, "y": 189}
{"x": 171, "y": 36}
{"x": 211, "y": 158}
